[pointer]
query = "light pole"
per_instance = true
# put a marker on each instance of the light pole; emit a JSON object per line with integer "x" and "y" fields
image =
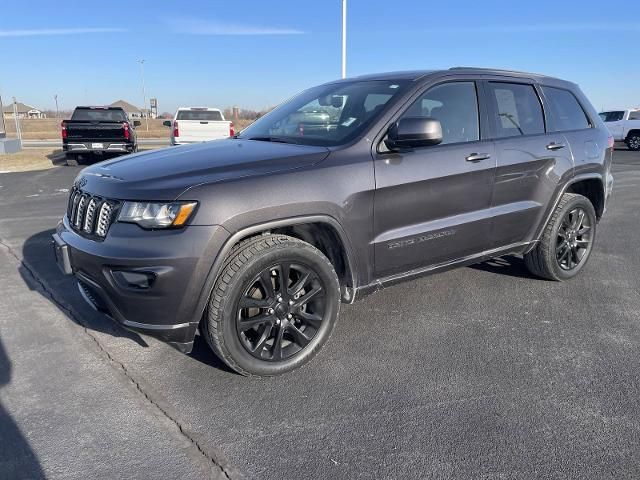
{"x": 15, "y": 116}
{"x": 144, "y": 92}
{"x": 55, "y": 97}
{"x": 344, "y": 38}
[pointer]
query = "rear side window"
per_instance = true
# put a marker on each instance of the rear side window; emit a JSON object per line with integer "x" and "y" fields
{"x": 566, "y": 112}
{"x": 202, "y": 115}
{"x": 611, "y": 116}
{"x": 635, "y": 115}
{"x": 517, "y": 109}
{"x": 455, "y": 105}
{"x": 98, "y": 115}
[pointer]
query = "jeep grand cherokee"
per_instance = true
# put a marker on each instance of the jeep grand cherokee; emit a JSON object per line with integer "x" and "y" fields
{"x": 257, "y": 239}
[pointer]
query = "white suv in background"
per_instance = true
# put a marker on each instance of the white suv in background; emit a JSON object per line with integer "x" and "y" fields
{"x": 198, "y": 124}
{"x": 624, "y": 125}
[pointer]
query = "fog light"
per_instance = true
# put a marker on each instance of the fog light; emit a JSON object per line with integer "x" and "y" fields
{"x": 135, "y": 280}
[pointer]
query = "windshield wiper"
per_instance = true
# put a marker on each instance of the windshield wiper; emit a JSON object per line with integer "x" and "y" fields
{"x": 271, "y": 138}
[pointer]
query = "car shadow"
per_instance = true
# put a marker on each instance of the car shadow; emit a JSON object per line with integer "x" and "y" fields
{"x": 17, "y": 458}
{"x": 57, "y": 157}
{"x": 40, "y": 273}
{"x": 509, "y": 265}
{"x": 203, "y": 354}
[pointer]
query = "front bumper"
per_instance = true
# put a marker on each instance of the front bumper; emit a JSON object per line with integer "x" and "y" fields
{"x": 148, "y": 281}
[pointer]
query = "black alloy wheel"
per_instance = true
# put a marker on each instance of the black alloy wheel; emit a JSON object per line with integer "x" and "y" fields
{"x": 281, "y": 311}
{"x": 567, "y": 240}
{"x": 574, "y": 239}
{"x": 274, "y": 305}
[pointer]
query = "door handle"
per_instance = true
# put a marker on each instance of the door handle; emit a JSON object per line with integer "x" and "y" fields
{"x": 555, "y": 146}
{"x": 476, "y": 157}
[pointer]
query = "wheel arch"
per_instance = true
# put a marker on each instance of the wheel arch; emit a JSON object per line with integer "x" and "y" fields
{"x": 320, "y": 231}
{"x": 635, "y": 131}
{"x": 592, "y": 183}
{"x": 592, "y": 188}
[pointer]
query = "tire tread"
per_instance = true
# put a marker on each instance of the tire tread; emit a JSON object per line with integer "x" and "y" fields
{"x": 539, "y": 261}
{"x": 241, "y": 254}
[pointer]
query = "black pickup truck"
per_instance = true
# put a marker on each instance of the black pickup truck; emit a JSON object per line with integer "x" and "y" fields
{"x": 98, "y": 131}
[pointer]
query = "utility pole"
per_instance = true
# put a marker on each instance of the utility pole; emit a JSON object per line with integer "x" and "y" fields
{"x": 344, "y": 38}
{"x": 15, "y": 116}
{"x": 55, "y": 97}
{"x": 144, "y": 92}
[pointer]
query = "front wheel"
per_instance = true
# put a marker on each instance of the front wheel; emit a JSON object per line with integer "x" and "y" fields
{"x": 633, "y": 142}
{"x": 273, "y": 307}
{"x": 567, "y": 240}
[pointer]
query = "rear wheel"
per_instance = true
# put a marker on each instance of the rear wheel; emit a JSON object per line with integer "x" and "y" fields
{"x": 273, "y": 306}
{"x": 567, "y": 240}
{"x": 72, "y": 159}
{"x": 633, "y": 141}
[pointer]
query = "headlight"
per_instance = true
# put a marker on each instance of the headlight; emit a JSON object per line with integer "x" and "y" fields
{"x": 157, "y": 215}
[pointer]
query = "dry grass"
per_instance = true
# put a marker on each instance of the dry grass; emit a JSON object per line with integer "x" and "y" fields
{"x": 31, "y": 159}
{"x": 49, "y": 128}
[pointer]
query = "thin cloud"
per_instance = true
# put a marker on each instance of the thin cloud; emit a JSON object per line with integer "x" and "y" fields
{"x": 202, "y": 27}
{"x": 543, "y": 27}
{"x": 58, "y": 31}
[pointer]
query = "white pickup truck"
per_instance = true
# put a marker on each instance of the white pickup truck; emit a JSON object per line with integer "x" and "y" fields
{"x": 624, "y": 125}
{"x": 198, "y": 124}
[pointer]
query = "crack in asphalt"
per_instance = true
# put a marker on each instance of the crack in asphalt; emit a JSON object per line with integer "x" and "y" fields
{"x": 44, "y": 289}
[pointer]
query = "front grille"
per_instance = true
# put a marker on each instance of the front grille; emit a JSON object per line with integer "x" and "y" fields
{"x": 91, "y": 215}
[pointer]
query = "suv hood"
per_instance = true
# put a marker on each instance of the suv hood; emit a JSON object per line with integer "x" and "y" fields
{"x": 164, "y": 174}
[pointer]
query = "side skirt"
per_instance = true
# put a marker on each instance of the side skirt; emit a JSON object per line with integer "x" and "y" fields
{"x": 379, "y": 284}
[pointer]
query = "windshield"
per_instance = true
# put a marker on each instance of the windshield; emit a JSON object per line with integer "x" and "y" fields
{"x": 611, "y": 116}
{"x": 202, "y": 115}
{"x": 98, "y": 115}
{"x": 327, "y": 115}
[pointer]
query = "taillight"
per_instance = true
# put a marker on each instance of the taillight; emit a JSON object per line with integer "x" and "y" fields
{"x": 176, "y": 132}
{"x": 232, "y": 131}
{"x": 611, "y": 141}
{"x": 63, "y": 126}
{"x": 127, "y": 133}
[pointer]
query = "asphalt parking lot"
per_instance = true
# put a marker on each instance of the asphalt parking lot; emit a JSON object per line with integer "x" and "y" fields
{"x": 480, "y": 372}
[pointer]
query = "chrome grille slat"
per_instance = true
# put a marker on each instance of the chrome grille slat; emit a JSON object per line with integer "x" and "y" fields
{"x": 74, "y": 207}
{"x": 90, "y": 215}
{"x": 104, "y": 219}
{"x": 82, "y": 204}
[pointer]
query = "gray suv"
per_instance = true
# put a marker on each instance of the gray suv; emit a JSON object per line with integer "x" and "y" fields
{"x": 256, "y": 240}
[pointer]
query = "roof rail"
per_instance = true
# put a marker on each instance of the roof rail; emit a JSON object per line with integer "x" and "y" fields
{"x": 495, "y": 70}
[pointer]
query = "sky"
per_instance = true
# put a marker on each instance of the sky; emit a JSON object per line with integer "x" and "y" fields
{"x": 256, "y": 53}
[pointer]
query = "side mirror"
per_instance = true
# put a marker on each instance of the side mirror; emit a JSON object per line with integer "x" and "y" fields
{"x": 137, "y": 123}
{"x": 167, "y": 123}
{"x": 413, "y": 132}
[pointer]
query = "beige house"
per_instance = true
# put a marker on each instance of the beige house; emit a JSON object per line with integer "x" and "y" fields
{"x": 24, "y": 111}
{"x": 131, "y": 110}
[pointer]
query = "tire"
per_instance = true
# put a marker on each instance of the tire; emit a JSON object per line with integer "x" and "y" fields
{"x": 72, "y": 159}
{"x": 246, "y": 322}
{"x": 567, "y": 240}
{"x": 633, "y": 141}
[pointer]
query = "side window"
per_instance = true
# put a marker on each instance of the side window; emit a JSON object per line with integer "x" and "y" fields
{"x": 635, "y": 115}
{"x": 455, "y": 105}
{"x": 517, "y": 109}
{"x": 567, "y": 114}
{"x": 612, "y": 116}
